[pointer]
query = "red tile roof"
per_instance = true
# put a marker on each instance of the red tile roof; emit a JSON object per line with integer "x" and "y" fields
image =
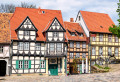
{"x": 4, "y": 27}
{"x": 97, "y": 22}
{"x": 39, "y": 19}
{"x": 73, "y": 27}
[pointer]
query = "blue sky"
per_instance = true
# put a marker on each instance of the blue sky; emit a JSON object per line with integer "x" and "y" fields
{"x": 70, "y": 8}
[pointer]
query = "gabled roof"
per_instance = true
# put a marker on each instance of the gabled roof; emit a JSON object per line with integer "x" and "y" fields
{"x": 4, "y": 27}
{"x": 24, "y": 21}
{"x": 69, "y": 26}
{"x": 97, "y": 22}
{"x": 39, "y": 19}
{"x": 50, "y": 23}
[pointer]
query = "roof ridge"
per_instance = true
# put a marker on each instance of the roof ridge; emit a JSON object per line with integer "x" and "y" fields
{"x": 94, "y": 12}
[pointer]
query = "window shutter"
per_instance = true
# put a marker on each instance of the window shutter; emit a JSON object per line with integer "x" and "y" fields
{"x": 29, "y": 64}
{"x": 17, "y": 64}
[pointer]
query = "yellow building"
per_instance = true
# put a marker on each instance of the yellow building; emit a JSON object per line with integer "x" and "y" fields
{"x": 102, "y": 43}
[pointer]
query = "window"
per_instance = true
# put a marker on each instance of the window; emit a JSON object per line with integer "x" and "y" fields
{"x": 37, "y": 46}
{"x": 56, "y": 24}
{"x": 116, "y": 51}
{"x": 52, "y": 47}
{"x": 72, "y": 34}
{"x": 80, "y": 34}
{"x": 43, "y": 12}
{"x": 78, "y": 67}
{"x": 1, "y": 49}
{"x": 77, "y": 55}
{"x": 101, "y": 37}
{"x": 77, "y": 44}
{"x": 26, "y": 46}
{"x": 26, "y": 63}
{"x": 109, "y": 38}
{"x": 83, "y": 55}
{"x": 116, "y": 39}
{"x": 20, "y": 46}
{"x": 100, "y": 51}
{"x": 71, "y": 55}
{"x": 59, "y": 47}
{"x": 109, "y": 50}
{"x": 79, "y": 18}
{"x": 84, "y": 45}
{"x": 23, "y": 64}
{"x": 93, "y": 51}
{"x": 94, "y": 38}
{"x": 71, "y": 44}
{"x": 55, "y": 34}
{"x": 20, "y": 64}
{"x": 42, "y": 64}
{"x": 26, "y": 33}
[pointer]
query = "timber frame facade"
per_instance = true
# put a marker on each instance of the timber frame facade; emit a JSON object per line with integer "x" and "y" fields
{"x": 38, "y": 49}
{"x": 102, "y": 43}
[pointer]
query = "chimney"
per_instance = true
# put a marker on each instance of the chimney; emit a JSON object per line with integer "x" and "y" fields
{"x": 71, "y": 19}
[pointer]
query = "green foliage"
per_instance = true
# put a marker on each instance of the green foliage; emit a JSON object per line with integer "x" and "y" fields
{"x": 114, "y": 28}
{"x": 107, "y": 68}
{"x": 100, "y": 67}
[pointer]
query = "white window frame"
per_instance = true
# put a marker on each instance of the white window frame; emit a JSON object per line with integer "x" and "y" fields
{"x": 101, "y": 37}
{"x": 71, "y": 55}
{"x": 110, "y": 50}
{"x": 116, "y": 39}
{"x": 101, "y": 51}
{"x": 83, "y": 55}
{"x": 20, "y": 64}
{"x": 1, "y": 49}
{"x": 21, "y": 45}
{"x": 77, "y": 44}
{"x": 59, "y": 47}
{"x": 94, "y": 38}
{"x": 93, "y": 51}
{"x": 71, "y": 44}
{"x": 116, "y": 51}
{"x": 110, "y": 38}
{"x": 52, "y": 45}
{"x": 38, "y": 46}
{"x": 77, "y": 55}
{"x": 55, "y": 34}
{"x": 84, "y": 45}
{"x": 26, "y": 46}
{"x": 27, "y": 33}
{"x": 26, "y": 64}
{"x": 42, "y": 64}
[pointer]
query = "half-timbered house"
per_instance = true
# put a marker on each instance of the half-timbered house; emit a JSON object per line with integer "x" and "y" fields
{"x": 77, "y": 48}
{"x": 5, "y": 43}
{"x": 103, "y": 44}
{"x": 38, "y": 42}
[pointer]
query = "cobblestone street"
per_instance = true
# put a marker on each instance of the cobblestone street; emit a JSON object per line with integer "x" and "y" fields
{"x": 113, "y": 76}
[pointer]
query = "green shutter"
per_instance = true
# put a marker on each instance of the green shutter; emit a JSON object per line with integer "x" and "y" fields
{"x": 29, "y": 64}
{"x": 17, "y": 64}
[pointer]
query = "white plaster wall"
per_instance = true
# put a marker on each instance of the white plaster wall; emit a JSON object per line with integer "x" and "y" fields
{"x": 82, "y": 23}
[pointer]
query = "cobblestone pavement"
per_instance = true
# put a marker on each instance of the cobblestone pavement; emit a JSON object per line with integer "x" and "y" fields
{"x": 113, "y": 76}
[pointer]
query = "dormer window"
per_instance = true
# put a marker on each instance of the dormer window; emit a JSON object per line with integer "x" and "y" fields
{"x": 72, "y": 34}
{"x": 43, "y": 12}
{"x": 80, "y": 34}
{"x": 26, "y": 33}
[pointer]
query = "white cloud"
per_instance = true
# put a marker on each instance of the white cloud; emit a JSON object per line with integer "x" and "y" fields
{"x": 70, "y": 8}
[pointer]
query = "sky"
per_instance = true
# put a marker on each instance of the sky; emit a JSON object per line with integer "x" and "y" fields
{"x": 70, "y": 8}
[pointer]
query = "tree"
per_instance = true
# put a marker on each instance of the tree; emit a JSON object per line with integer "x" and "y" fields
{"x": 10, "y": 8}
{"x": 115, "y": 29}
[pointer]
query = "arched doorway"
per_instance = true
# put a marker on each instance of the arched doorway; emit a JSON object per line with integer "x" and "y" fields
{"x": 2, "y": 67}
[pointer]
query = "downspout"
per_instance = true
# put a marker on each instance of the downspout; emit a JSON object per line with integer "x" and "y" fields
{"x": 10, "y": 53}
